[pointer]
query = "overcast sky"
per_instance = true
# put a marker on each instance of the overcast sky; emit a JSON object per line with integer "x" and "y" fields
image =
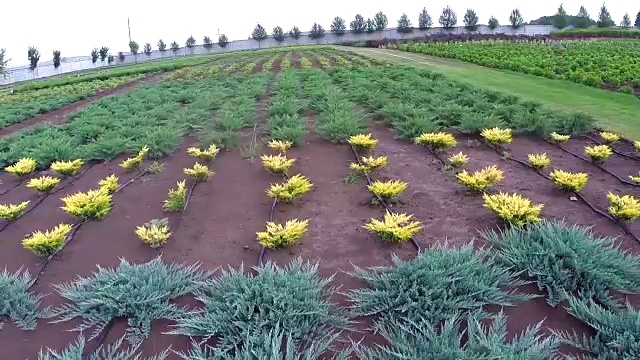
{"x": 75, "y": 27}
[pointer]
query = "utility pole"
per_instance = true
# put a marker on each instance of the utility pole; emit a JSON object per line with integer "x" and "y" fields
{"x": 129, "y": 26}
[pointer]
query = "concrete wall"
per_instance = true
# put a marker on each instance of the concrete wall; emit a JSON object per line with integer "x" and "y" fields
{"x": 69, "y": 65}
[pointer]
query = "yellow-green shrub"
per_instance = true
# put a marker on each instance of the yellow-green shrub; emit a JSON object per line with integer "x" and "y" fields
{"x": 110, "y": 183}
{"x": 133, "y": 162}
{"x": 609, "y": 137}
{"x": 363, "y": 143}
{"x": 598, "y": 152}
{"x": 573, "y": 182}
{"x": 290, "y": 190}
{"x": 281, "y": 235}
{"x": 155, "y": 233}
{"x": 458, "y": 160}
{"x": 497, "y": 136}
{"x": 624, "y": 208}
{"x": 437, "y": 141}
{"x": 48, "y": 242}
{"x": 198, "y": 172}
{"x": 394, "y": 227}
{"x": 513, "y": 208}
{"x": 176, "y": 198}
{"x": 66, "y": 167}
{"x": 11, "y": 212}
{"x": 636, "y": 144}
{"x": 539, "y": 161}
{"x": 23, "y": 167}
{"x": 277, "y": 164}
{"x": 94, "y": 204}
{"x": 559, "y": 138}
{"x": 481, "y": 180}
{"x": 635, "y": 179}
{"x": 207, "y": 155}
{"x": 388, "y": 190}
{"x": 369, "y": 164}
{"x": 43, "y": 184}
{"x": 280, "y": 145}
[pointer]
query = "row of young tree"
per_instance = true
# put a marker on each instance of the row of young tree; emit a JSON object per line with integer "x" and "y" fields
{"x": 448, "y": 19}
{"x": 583, "y": 20}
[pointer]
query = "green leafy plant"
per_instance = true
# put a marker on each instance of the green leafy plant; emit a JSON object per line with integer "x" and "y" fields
{"x": 281, "y": 235}
{"x": 481, "y": 180}
{"x": 394, "y": 227}
{"x": 23, "y": 167}
{"x": 539, "y": 161}
{"x": 388, "y": 190}
{"x": 176, "y": 198}
{"x": 66, "y": 167}
{"x": 43, "y": 184}
{"x": 513, "y": 208}
{"x": 140, "y": 293}
{"x": 155, "y": 233}
{"x": 241, "y": 307}
{"x": 48, "y": 242}
{"x": 624, "y": 208}
{"x": 363, "y": 143}
{"x": 421, "y": 288}
{"x": 110, "y": 183}
{"x": 93, "y": 204}
{"x": 458, "y": 160}
{"x": 567, "y": 261}
{"x": 277, "y": 164}
{"x": 11, "y": 212}
{"x": 207, "y": 155}
{"x": 437, "y": 141}
{"x": 598, "y": 153}
{"x": 198, "y": 172}
{"x": 293, "y": 188}
{"x": 573, "y": 182}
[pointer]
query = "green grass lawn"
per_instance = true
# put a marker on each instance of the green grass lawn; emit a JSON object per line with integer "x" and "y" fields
{"x": 614, "y": 111}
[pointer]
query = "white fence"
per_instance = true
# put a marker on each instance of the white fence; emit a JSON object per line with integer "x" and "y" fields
{"x": 68, "y": 65}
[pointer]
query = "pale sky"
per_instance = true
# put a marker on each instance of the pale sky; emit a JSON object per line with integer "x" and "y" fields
{"x": 75, "y": 27}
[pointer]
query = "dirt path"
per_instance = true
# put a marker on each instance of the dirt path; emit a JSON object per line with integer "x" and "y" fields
{"x": 60, "y": 116}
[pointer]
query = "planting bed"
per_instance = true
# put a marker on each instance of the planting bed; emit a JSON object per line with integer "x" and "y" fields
{"x": 249, "y": 105}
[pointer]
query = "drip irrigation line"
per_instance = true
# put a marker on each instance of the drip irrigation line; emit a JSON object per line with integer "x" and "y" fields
{"x": 45, "y": 196}
{"x": 145, "y": 172}
{"x": 67, "y": 241}
{"x": 380, "y": 200}
{"x": 622, "y": 225}
{"x": 86, "y": 355}
{"x": 262, "y": 248}
{"x": 594, "y": 164}
{"x": 628, "y": 156}
{"x": 184, "y": 208}
{"x": 523, "y": 163}
{"x": 13, "y": 187}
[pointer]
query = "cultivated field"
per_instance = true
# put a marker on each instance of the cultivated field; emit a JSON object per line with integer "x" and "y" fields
{"x": 608, "y": 64}
{"x": 310, "y": 203}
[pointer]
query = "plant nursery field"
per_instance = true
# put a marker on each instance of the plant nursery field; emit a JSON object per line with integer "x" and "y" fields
{"x": 313, "y": 203}
{"x": 608, "y": 64}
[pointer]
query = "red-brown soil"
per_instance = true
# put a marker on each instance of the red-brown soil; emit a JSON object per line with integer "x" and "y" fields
{"x": 60, "y": 116}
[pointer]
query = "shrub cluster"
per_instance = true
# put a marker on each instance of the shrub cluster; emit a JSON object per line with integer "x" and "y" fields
{"x": 394, "y": 227}
{"x": 11, "y": 212}
{"x": 513, "y": 208}
{"x": 23, "y": 167}
{"x": 481, "y": 180}
{"x": 93, "y": 204}
{"x": 155, "y": 233}
{"x": 573, "y": 182}
{"x": 48, "y": 242}
{"x": 66, "y": 167}
{"x": 293, "y": 188}
{"x": 281, "y": 235}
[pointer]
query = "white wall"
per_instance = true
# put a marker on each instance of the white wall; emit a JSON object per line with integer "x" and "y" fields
{"x": 69, "y": 65}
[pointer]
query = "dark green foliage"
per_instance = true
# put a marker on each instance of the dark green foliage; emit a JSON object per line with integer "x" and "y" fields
{"x": 637, "y": 22}
{"x": 295, "y": 32}
{"x": 448, "y": 19}
{"x": 567, "y": 261}
{"x": 207, "y": 42}
{"x": 424, "y": 20}
{"x": 574, "y": 123}
{"x": 175, "y": 47}
{"x": 617, "y": 332}
{"x": 471, "y": 20}
{"x": 147, "y": 49}
{"x": 493, "y": 23}
{"x": 162, "y": 46}
{"x": 191, "y": 42}
{"x": 338, "y": 26}
{"x": 284, "y": 106}
{"x": 259, "y": 33}
{"x": 56, "y": 58}
{"x": 437, "y": 285}
{"x": 134, "y": 47}
{"x": 290, "y": 128}
{"x": 381, "y": 21}
{"x": 76, "y": 351}
{"x": 408, "y": 121}
{"x": 471, "y": 123}
{"x": 371, "y": 26}
{"x": 404, "y": 24}
{"x": 223, "y": 40}
{"x": 560, "y": 19}
{"x": 278, "y": 34}
{"x": 17, "y": 302}
{"x": 316, "y": 32}
{"x": 583, "y": 20}
{"x": 33, "y": 55}
{"x": 242, "y": 309}
{"x": 138, "y": 292}
{"x": 4, "y": 62}
{"x": 358, "y": 25}
{"x": 604, "y": 18}
{"x": 516, "y": 19}
{"x": 104, "y": 52}
{"x": 420, "y": 339}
